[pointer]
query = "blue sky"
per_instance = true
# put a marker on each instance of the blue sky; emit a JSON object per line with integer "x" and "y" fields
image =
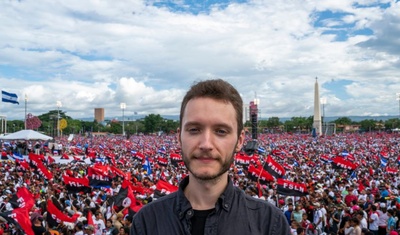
{"x": 146, "y": 53}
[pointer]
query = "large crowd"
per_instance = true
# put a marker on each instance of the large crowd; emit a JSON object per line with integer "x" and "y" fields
{"x": 359, "y": 198}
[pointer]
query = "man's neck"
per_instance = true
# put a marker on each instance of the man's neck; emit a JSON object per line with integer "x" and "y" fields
{"x": 203, "y": 195}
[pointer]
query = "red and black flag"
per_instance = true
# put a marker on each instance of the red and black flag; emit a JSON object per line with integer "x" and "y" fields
{"x": 22, "y": 165}
{"x": 99, "y": 176}
{"x": 274, "y": 168}
{"x": 242, "y": 159}
{"x": 164, "y": 188}
{"x": 37, "y": 162}
{"x": 118, "y": 172}
{"x": 20, "y": 219}
{"x": 125, "y": 197}
{"x": 58, "y": 215}
{"x": 75, "y": 185}
{"x": 23, "y": 198}
{"x": 287, "y": 187}
{"x": 340, "y": 162}
{"x": 162, "y": 161}
{"x": 176, "y": 159}
{"x": 259, "y": 175}
{"x": 139, "y": 156}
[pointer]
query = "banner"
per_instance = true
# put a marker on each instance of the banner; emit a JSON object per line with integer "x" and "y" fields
{"x": 58, "y": 215}
{"x": 242, "y": 159}
{"x": 164, "y": 188}
{"x": 342, "y": 163}
{"x": 75, "y": 185}
{"x": 20, "y": 219}
{"x": 274, "y": 168}
{"x": 9, "y": 97}
{"x": 22, "y": 199}
{"x": 286, "y": 187}
{"x": 259, "y": 174}
{"x": 99, "y": 176}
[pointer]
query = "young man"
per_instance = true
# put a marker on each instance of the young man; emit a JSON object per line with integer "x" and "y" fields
{"x": 211, "y": 131}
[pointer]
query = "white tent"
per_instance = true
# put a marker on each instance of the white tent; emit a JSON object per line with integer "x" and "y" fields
{"x": 26, "y": 135}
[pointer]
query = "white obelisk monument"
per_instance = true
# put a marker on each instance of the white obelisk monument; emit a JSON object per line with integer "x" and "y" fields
{"x": 317, "y": 125}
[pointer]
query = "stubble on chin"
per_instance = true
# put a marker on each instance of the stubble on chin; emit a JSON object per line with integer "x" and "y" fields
{"x": 208, "y": 178}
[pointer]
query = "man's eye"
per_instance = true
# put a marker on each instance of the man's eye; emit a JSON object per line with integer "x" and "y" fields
{"x": 221, "y": 132}
{"x": 193, "y": 130}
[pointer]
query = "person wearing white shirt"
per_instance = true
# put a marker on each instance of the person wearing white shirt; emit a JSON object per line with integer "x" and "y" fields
{"x": 99, "y": 224}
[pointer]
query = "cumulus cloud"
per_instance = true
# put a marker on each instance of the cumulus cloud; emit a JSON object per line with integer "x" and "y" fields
{"x": 147, "y": 53}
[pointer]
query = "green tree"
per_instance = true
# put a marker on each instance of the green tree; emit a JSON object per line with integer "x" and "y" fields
{"x": 392, "y": 123}
{"x": 343, "y": 121}
{"x": 153, "y": 123}
{"x": 273, "y": 122}
{"x": 368, "y": 125}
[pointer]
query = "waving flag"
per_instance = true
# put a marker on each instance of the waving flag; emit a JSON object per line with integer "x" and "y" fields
{"x": 20, "y": 219}
{"x": 74, "y": 185}
{"x": 147, "y": 166}
{"x": 342, "y": 163}
{"x": 22, "y": 199}
{"x": 9, "y": 97}
{"x": 242, "y": 159}
{"x": 163, "y": 188}
{"x": 17, "y": 156}
{"x": 286, "y": 187}
{"x": 58, "y": 215}
{"x": 176, "y": 159}
{"x": 99, "y": 176}
{"x": 259, "y": 174}
{"x": 274, "y": 168}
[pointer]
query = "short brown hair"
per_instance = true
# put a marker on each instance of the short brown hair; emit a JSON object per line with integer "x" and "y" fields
{"x": 217, "y": 89}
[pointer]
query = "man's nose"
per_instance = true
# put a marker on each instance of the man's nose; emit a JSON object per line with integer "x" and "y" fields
{"x": 206, "y": 140}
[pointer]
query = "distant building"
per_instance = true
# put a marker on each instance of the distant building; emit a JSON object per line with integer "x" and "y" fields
{"x": 99, "y": 114}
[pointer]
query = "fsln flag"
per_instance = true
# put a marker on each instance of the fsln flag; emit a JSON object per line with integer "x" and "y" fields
{"x": 9, "y": 97}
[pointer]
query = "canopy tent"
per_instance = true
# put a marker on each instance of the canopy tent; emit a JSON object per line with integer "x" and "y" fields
{"x": 26, "y": 135}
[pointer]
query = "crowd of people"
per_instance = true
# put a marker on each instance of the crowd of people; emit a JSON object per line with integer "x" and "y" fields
{"x": 364, "y": 200}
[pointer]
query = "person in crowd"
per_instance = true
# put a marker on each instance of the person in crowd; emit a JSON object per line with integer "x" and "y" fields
{"x": 297, "y": 213}
{"x": 211, "y": 131}
{"x": 383, "y": 219}
{"x": 37, "y": 225}
{"x": 391, "y": 222}
{"x": 374, "y": 220}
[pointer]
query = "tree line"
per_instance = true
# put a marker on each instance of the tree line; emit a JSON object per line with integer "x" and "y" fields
{"x": 156, "y": 124}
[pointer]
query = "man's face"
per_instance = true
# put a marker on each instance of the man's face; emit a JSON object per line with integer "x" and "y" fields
{"x": 209, "y": 138}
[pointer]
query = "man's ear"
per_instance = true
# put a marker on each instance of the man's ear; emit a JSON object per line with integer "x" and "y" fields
{"x": 240, "y": 141}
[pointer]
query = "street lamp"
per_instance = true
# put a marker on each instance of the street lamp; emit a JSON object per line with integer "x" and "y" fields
{"x": 58, "y": 117}
{"x": 123, "y": 107}
{"x": 398, "y": 98}
{"x": 323, "y": 102}
{"x": 26, "y": 102}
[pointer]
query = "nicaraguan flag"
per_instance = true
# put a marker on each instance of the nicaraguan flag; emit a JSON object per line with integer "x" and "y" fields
{"x": 147, "y": 166}
{"x": 17, "y": 156}
{"x": 383, "y": 162}
{"x": 261, "y": 150}
{"x": 9, "y": 97}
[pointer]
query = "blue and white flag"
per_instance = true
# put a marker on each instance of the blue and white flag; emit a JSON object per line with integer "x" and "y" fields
{"x": 383, "y": 162}
{"x": 147, "y": 166}
{"x": 17, "y": 156}
{"x": 9, "y": 97}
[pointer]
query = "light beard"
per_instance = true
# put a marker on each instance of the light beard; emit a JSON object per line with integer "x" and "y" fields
{"x": 225, "y": 166}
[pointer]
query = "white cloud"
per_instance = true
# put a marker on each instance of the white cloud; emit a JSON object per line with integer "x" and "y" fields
{"x": 100, "y": 53}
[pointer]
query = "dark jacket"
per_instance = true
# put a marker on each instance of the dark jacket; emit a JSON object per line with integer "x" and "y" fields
{"x": 235, "y": 213}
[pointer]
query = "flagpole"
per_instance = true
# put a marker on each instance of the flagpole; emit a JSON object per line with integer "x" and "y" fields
{"x": 26, "y": 103}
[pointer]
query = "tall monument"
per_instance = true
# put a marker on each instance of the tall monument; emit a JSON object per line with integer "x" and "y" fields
{"x": 317, "y": 125}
